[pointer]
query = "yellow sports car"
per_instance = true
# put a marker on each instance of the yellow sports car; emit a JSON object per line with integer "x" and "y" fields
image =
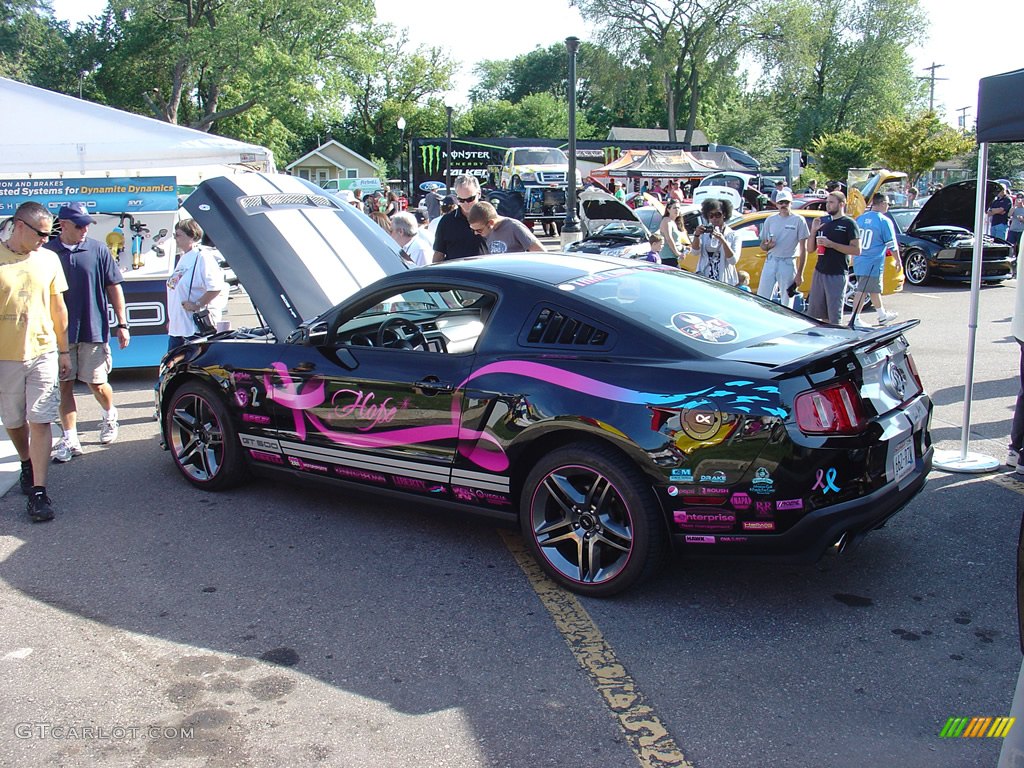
{"x": 752, "y": 257}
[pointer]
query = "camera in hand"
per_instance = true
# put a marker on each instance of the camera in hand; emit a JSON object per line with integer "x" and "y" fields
{"x": 791, "y": 291}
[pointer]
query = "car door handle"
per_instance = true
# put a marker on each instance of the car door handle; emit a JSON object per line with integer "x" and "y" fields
{"x": 431, "y": 384}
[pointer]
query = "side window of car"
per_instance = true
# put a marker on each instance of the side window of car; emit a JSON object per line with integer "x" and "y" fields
{"x": 423, "y": 319}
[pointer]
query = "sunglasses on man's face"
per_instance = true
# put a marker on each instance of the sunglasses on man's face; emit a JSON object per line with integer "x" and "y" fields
{"x": 470, "y": 199}
{"x": 38, "y": 232}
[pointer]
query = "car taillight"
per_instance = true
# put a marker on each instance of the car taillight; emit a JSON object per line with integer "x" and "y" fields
{"x": 832, "y": 410}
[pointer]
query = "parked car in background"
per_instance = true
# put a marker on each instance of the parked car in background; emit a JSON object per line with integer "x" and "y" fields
{"x": 614, "y": 229}
{"x": 613, "y": 410}
{"x": 752, "y": 258}
{"x": 937, "y": 241}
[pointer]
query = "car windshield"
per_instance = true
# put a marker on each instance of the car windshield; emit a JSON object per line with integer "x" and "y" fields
{"x": 540, "y": 157}
{"x": 709, "y": 317}
{"x": 903, "y": 219}
{"x": 620, "y": 229}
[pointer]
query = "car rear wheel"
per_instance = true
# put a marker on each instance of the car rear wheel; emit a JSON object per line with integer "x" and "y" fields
{"x": 915, "y": 267}
{"x": 591, "y": 520}
{"x": 202, "y": 439}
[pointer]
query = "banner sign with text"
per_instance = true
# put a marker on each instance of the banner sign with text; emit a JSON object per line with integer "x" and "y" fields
{"x": 120, "y": 195}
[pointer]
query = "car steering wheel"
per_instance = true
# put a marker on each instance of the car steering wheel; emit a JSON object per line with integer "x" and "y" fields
{"x": 403, "y": 333}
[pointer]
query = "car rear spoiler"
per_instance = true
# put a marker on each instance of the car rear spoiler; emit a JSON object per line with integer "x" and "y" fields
{"x": 877, "y": 338}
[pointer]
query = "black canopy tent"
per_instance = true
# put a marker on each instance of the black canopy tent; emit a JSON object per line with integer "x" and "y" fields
{"x": 1000, "y": 119}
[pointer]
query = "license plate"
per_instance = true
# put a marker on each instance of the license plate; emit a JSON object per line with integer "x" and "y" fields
{"x": 903, "y": 459}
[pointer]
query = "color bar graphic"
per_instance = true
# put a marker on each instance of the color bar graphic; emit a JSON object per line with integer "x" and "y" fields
{"x": 975, "y": 727}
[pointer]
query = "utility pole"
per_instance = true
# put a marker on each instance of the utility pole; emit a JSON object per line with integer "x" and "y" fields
{"x": 931, "y": 89}
{"x": 963, "y": 118}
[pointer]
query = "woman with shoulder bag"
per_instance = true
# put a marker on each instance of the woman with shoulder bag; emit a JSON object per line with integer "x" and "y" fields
{"x": 193, "y": 288}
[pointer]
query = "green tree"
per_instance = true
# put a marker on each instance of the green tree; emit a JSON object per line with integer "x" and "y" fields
{"x": 388, "y": 80}
{"x": 197, "y": 62}
{"x": 915, "y": 145}
{"x": 838, "y": 152}
{"x": 838, "y": 65}
{"x": 538, "y": 115}
{"x": 687, "y": 44}
{"x": 33, "y": 47}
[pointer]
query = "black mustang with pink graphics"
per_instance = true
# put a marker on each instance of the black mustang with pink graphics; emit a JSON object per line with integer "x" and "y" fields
{"x": 617, "y": 410}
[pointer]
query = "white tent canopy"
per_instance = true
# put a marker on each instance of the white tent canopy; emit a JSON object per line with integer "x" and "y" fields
{"x": 52, "y": 135}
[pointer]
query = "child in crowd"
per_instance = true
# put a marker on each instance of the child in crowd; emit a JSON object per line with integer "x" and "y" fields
{"x": 744, "y": 283}
{"x": 657, "y": 242}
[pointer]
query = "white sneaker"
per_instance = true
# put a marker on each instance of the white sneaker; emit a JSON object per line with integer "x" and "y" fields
{"x": 885, "y": 317}
{"x": 1012, "y": 458}
{"x": 1019, "y": 470}
{"x": 65, "y": 450}
{"x": 108, "y": 430}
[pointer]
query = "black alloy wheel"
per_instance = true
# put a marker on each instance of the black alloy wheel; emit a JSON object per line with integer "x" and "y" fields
{"x": 591, "y": 520}
{"x": 202, "y": 439}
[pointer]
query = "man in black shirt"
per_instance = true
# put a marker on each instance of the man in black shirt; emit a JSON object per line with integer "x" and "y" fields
{"x": 454, "y": 238}
{"x": 836, "y": 238}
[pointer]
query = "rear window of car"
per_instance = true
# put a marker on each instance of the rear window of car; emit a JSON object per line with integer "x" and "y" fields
{"x": 708, "y": 317}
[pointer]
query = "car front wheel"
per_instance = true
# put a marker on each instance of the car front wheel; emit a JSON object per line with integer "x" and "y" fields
{"x": 591, "y": 520}
{"x": 915, "y": 267}
{"x": 202, "y": 439}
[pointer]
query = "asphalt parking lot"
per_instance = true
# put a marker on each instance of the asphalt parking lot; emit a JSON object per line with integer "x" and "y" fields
{"x": 153, "y": 624}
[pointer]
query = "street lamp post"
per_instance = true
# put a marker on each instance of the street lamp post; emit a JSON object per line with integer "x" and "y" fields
{"x": 401, "y": 154}
{"x": 570, "y": 227}
{"x": 448, "y": 152}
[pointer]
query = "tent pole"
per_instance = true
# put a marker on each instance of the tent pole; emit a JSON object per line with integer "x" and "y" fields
{"x": 951, "y": 461}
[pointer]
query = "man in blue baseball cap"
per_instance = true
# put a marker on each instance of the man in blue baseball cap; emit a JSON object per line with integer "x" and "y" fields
{"x": 93, "y": 280}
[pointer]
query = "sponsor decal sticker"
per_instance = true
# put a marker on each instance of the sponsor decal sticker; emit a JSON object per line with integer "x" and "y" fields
{"x": 672, "y": 490}
{"x": 255, "y": 418}
{"x": 784, "y": 505}
{"x": 691, "y": 539}
{"x": 714, "y": 477}
{"x": 826, "y": 481}
{"x": 713, "y": 491}
{"x": 701, "y": 520}
{"x": 415, "y": 484}
{"x": 361, "y": 475}
{"x": 759, "y": 525}
{"x": 684, "y": 475}
{"x": 706, "y": 328}
{"x": 762, "y": 483}
{"x": 741, "y": 501}
{"x": 269, "y": 458}
{"x": 763, "y": 508}
{"x": 732, "y": 539}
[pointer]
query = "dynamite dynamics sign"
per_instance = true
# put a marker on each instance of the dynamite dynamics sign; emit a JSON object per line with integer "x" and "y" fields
{"x": 118, "y": 195}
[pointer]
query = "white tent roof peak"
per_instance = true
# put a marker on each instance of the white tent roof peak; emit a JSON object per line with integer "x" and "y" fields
{"x": 65, "y": 136}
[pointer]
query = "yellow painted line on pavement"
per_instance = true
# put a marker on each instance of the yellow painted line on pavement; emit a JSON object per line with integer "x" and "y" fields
{"x": 646, "y": 734}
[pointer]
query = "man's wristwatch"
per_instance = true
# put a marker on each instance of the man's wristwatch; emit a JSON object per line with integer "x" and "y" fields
{"x": 125, "y": 326}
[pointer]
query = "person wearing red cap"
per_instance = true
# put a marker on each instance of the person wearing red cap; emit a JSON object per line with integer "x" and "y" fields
{"x": 93, "y": 281}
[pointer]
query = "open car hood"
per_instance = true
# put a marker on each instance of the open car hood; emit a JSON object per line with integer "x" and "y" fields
{"x": 297, "y": 250}
{"x": 598, "y": 208}
{"x": 953, "y": 205}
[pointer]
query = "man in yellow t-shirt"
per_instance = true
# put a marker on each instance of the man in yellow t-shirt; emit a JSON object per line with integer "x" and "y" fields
{"x": 33, "y": 347}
